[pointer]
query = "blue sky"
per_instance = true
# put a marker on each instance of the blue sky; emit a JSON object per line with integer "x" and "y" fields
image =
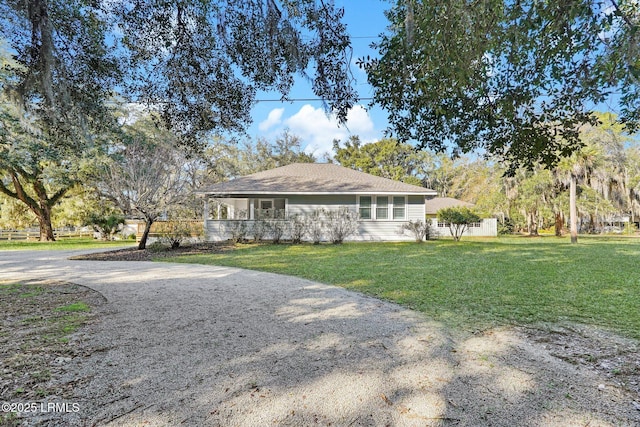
{"x": 365, "y": 20}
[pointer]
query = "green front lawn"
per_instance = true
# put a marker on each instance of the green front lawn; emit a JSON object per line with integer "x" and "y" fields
{"x": 472, "y": 284}
{"x": 62, "y": 244}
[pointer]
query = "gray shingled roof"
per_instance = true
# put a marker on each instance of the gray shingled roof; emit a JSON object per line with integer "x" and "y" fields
{"x": 437, "y": 203}
{"x": 312, "y": 178}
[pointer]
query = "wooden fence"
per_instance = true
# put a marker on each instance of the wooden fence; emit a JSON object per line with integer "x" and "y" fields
{"x": 35, "y": 235}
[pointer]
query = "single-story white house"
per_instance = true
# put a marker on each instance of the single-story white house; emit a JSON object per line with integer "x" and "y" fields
{"x": 383, "y": 204}
{"x": 486, "y": 227}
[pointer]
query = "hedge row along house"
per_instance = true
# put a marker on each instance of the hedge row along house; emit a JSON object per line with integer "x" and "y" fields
{"x": 382, "y": 204}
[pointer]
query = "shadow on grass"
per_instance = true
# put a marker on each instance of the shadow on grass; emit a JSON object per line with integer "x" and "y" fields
{"x": 474, "y": 284}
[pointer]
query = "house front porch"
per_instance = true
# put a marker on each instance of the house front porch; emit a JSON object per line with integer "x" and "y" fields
{"x": 244, "y": 208}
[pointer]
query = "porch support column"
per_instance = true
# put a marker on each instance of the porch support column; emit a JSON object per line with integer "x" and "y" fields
{"x": 251, "y": 208}
{"x": 219, "y": 211}
{"x": 205, "y": 217}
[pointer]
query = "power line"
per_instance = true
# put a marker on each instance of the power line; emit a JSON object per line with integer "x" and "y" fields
{"x": 257, "y": 100}
{"x": 303, "y": 100}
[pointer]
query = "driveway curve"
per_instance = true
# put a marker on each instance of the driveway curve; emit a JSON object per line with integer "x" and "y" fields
{"x": 182, "y": 344}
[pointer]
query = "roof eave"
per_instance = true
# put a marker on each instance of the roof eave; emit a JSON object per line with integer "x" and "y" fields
{"x": 314, "y": 193}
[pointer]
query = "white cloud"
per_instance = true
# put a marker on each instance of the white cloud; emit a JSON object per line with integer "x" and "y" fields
{"x": 273, "y": 119}
{"x": 359, "y": 120}
{"x": 318, "y": 130}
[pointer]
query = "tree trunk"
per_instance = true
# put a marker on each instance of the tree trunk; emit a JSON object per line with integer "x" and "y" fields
{"x": 533, "y": 228}
{"x": 145, "y": 235}
{"x": 40, "y": 205}
{"x": 559, "y": 224}
{"x": 44, "y": 219}
{"x": 573, "y": 210}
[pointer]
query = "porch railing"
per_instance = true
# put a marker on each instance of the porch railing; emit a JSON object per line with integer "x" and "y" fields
{"x": 243, "y": 214}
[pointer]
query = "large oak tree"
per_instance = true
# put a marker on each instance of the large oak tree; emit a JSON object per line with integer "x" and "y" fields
{"x": 36, "y": 168}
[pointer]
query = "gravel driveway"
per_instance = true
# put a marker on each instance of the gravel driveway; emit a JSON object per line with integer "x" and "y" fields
{"x": 181, "y": 344}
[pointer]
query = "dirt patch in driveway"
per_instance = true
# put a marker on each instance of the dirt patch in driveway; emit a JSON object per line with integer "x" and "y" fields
{"x": 149, "y": 254}
{"x": 43, "y": 329}
{"x": 614, "y": 358}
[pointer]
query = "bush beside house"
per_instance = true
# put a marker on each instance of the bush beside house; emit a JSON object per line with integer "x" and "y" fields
{"x": 458, "y": 220}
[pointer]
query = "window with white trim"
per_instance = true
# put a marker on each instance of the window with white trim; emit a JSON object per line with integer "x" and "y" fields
{"x": 365, "y": 207}
{"x": 382, "y": 207}
{"x": 399, "y": 207}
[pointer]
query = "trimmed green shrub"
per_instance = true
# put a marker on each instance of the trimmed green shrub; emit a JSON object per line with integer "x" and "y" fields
{"x": 457, "y": 219}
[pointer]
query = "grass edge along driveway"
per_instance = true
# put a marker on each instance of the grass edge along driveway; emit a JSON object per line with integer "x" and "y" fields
{"x": 62, "y": 244}
{"x": 472, "y": 284}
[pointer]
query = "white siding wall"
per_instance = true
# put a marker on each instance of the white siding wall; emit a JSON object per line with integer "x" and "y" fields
{"x": 305, "y": 205}
{"x": 220, "y": 231}
{"x": 416, "y": 209}
{"x": 378, "y": 231}
{"x": 216, "y": 230}
{"x": 488, "y": 228}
